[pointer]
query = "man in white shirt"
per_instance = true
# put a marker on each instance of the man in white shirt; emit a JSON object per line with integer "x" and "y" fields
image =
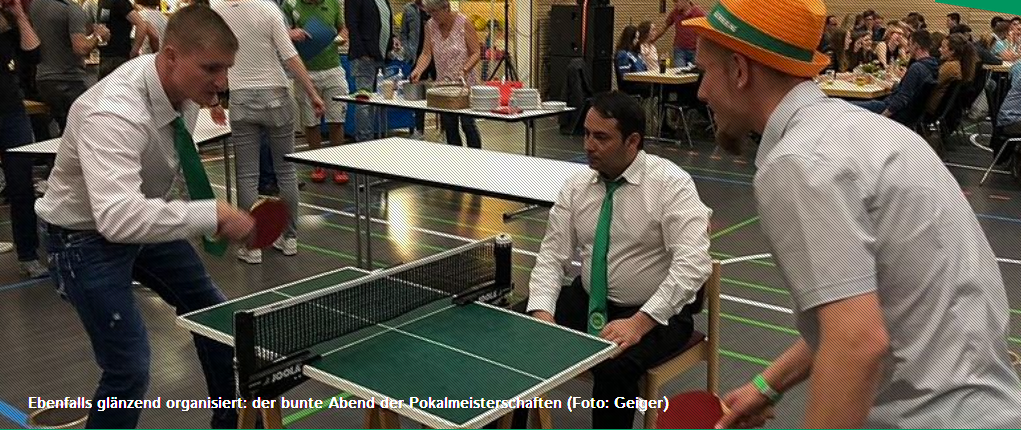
{"x": 110, "y": 219}
{"x": 642, "y": 232}
{"x": 897, "y": 295}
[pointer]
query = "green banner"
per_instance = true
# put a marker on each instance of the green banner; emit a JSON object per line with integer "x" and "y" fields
{"x": 1011, "y": 7}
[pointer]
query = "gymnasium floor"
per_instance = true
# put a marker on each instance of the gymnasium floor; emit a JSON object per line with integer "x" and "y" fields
{"x": 49, "y": 355}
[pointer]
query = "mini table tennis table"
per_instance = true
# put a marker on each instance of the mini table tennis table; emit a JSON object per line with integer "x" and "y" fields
{"x": 441, "y": 350}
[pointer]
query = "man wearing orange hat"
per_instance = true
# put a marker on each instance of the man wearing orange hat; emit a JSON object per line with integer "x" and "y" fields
{"x": 899, "y": 301}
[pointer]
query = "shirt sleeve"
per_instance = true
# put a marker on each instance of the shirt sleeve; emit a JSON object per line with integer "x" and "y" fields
{"x": 77, "y": 21}
{"x": 340, "y": 15}
{"x": 685, "y": 234}
{"x": 110, "y": 149}
{"x": 554, "y": 253}
{"x": 905, "y": 93}
{"x": 282, "y": 41}
{"x": 819, "y": 228}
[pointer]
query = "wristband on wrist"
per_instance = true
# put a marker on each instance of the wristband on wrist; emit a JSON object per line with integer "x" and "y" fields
{"x": 772, "y": 395}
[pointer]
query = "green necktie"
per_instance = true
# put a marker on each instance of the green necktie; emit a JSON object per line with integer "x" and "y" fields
{"x": 196, "y": 179}
{"x": 600, "y": 248}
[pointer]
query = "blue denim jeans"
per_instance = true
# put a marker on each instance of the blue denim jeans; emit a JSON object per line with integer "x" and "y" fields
{"x": 95, "y": 276}
{"x": 364, "y": 70}
{"x": 15, "y": 131}
{"x": 682, "y": 57}
{"x": 877, "y": 106}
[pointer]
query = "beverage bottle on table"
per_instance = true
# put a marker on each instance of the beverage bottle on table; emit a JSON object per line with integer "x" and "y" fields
{"x": 379, "y": 82}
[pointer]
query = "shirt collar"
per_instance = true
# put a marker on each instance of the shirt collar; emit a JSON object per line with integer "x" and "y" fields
{"x": 163, "y": 112}
{"x": 632, "y": 175}
{"x": 804, "y": 94}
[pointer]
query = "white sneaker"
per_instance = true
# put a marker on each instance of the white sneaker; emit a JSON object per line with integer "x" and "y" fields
{"x": 34, "y": 269}
{"x": 250, "y": 256}
{"x": 288, "y": 246}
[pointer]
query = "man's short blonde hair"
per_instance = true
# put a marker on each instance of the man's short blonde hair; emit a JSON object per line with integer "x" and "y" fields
{"x": 197, "y": 26}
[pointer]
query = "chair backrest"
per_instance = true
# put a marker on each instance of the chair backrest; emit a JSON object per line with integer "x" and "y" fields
{"x": 949, "y": 100}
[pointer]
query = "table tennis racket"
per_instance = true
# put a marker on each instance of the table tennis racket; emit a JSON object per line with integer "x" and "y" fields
{"x": 691, "y": 410}
{"x": 271, "y": 218}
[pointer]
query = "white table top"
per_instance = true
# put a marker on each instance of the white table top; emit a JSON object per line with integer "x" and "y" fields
{"x": 519, "y": 178}
{"x": 674, "y": 76}
{"x": 205, "y": 132}
{"x": 398, "y": 102}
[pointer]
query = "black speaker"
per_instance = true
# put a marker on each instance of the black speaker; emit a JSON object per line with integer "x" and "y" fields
{"x": 599, "y": 43}
{"x": 601, "y": 73}
{"x": 565, "y": 31}
{"x": 557, "y": 76}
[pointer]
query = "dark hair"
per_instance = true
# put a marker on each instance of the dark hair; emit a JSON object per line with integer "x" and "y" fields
{"x": 922, "y": 38}
{"x": 625, "y": 109}
{"x": 964, "y": 52}
{"x": 196, "y": 26}
{"x": 955, "y": 17}
{"x": 960, "y": 28}
{"x": 936, "y": 43}
{"x": 627, "y": 39}
{"x": 1015, "y": 19}
{"x": 644, "y": 30}
{"x": 996, "y": 20}
{"x": 868, "y": 14}
{"x": 1002, "y": 28}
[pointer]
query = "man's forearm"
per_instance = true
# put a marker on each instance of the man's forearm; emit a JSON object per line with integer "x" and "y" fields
{"x": 842, "y": 387}
{"x": 791, "y": 368}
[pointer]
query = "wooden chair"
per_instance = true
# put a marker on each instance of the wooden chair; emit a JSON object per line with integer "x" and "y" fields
{"x": 701, "y": 347}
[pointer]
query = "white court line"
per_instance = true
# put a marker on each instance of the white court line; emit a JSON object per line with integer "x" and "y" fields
{"x": 976, "y": 168}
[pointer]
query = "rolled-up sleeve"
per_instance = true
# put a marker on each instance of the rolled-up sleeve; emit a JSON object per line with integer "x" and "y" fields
{"x": 819, "y": 227}
{"x": 554, "y": 253}
{"x": 110, "y": 149}
{"x": 685, "y": 234}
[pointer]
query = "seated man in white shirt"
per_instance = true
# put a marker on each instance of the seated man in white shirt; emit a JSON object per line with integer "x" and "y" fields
{"x": 110, "y": 218}
{"x": 635, "y": 283}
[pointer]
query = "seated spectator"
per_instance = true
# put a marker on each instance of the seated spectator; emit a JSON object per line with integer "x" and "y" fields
{"x": 958, "y": 66}
{"x": 862, "y": 51}
{"x": 629, "y": 60}
{"x": 937, "y": 42}
{"x": 894, "y": 48}
{"x": 1001, "y": 44}
{"x": 1008, "y": 122}
{"x": 921, "y": 72}
{"x": 953, "y": 20}
{"x": 840, "y": 44}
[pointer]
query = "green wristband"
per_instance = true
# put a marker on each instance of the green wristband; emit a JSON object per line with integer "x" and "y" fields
{"x": 772, "y": 395}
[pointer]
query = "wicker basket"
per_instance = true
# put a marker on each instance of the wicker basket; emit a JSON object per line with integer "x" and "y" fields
{"x": 453, "y": 97}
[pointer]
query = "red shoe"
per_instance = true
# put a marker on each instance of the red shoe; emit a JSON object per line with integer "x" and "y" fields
{"x": 318, "y": 175}
{"x": 340, "y": 178}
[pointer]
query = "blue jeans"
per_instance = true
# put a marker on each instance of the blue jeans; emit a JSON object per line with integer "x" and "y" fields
{"x": 877, "y": 106}
{"x": 15, "y": 131}
{"x": 682, "y": 57}
{"x": 471, "y": 132}
{"x": 95, "y": 276}
{"x": 364, "y": 70}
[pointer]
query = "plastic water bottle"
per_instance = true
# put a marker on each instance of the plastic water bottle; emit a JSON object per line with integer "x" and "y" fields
{"x": 399, "y": 83}
{"x": 379, "y": 82}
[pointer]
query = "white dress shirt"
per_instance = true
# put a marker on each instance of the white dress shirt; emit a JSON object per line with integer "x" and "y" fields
{"x": 116, "y": 164}
{"x": 659, "y": 246}
{"x": 259, "y": 27}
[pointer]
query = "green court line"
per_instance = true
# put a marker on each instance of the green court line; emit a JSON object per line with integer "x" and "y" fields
{"x": 735, "y": 227}
{"x": 308, "y": 412}
{"x": 745, "y": 357}
{"x": 1015, "y": 311}
{"x": 1015, "y": 340}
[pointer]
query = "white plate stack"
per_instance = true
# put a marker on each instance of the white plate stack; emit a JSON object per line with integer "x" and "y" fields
{"x": 485, "y": 98}
{"x": 525, "y": 98}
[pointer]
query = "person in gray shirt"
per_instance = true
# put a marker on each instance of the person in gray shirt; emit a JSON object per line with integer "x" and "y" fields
{"x": 67, "y": 38}
{"x": 897, "y": 295}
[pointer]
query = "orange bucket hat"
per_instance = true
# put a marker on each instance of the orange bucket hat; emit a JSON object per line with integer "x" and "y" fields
{"x": 780, "y": 34}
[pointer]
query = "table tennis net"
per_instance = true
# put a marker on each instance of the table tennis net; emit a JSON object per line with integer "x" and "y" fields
{"x": 281, "y": 330}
